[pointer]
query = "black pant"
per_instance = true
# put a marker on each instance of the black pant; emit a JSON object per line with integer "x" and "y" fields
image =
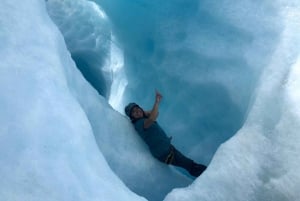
{"x": 176, "y": 158}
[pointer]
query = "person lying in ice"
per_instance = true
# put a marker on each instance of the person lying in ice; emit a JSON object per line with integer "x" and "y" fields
{"x": 154, "y": 136}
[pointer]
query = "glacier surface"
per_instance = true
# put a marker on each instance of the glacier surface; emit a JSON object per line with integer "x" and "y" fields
{"x": 229, "y": 73}
{"x": 48, "y": 149}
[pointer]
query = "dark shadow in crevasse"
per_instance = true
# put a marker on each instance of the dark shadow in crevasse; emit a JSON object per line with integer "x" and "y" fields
{"x": 90, "y": 69}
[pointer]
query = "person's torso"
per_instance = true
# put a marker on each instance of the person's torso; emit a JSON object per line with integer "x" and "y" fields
{"x": 154, "y": 137}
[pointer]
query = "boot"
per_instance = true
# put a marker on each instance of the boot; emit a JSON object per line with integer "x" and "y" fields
{"x": 197, "y": 169}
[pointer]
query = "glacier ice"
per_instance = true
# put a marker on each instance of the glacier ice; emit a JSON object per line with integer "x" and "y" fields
{"x": 117, "y": 141}
{"x": 260, "y": 162}
{"x": 92, "y": 44}
{"x": 203, "y": 56}
{"x": 87, "y": 32}
{"x": 48, "y": 151}
{"x": 227, "y": 70}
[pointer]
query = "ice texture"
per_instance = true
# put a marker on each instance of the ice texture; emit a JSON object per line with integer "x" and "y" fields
{"x": 87, "y": 32}
{"x": 124, "y": 151}
{"x": 48, "y": 149}
{"x": 205, "y": 57}
{"x": 228, "y": 71}
{"x": 260, "y": 162}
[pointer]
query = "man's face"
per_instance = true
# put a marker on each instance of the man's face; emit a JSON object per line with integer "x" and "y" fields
{"x": 137, "y": 112}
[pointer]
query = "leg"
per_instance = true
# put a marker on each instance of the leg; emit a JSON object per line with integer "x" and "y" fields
{"x": 182, "y": 161}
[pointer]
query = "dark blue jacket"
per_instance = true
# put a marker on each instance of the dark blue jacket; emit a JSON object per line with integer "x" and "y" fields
{"x": 155, "y": 137}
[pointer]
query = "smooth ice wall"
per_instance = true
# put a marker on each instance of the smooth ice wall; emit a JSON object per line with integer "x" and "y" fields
{"x": 92, "y": 44}
{"x": 205, "y": 57}
{"x": 87, "y": 33}
{"x": 261, "y": 162}
{"x": 48, "y": 150}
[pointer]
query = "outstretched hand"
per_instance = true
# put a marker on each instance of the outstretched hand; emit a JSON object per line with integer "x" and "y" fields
{"x": 158, "y": 96}
{"x": 153, "y": 114}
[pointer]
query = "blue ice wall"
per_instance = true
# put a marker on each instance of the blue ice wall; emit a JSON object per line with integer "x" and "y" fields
{"x": 51, "y": 117}
{"x": 87, "y": 33}
{"x": 205, "y": 57}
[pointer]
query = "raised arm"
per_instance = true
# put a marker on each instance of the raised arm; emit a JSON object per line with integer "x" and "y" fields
{"x": 153, "y": 114}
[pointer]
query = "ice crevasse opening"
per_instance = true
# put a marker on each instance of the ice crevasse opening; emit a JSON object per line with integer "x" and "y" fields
{"x": 228, "y": 71}
{"x": 220, "y": 67}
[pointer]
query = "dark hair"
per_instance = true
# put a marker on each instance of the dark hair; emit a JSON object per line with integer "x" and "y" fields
{"x": 133, "y": 120}
{"x": 128, "y": 109}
